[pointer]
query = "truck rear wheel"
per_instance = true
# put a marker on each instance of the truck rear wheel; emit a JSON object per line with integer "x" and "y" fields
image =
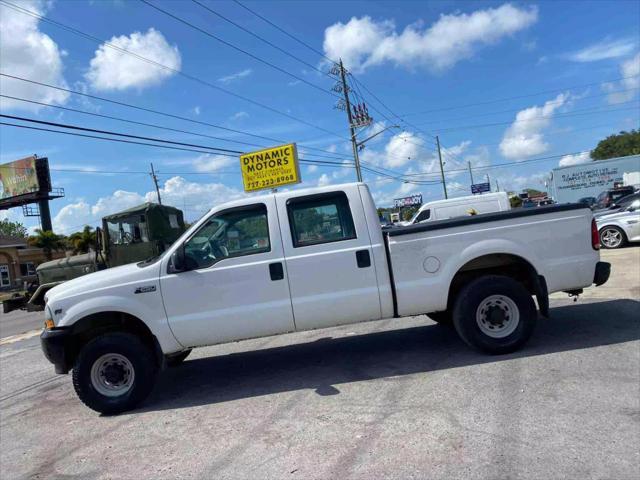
{"x": 494, "y": 314}
{"x": 114, "y": 372}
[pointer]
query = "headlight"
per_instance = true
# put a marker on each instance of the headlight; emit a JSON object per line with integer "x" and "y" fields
{"x": 48, "y": 318}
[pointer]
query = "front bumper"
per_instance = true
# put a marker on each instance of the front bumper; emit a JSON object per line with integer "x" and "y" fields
{"x": 56, "y": 344}
{"x": 603, "y": 270}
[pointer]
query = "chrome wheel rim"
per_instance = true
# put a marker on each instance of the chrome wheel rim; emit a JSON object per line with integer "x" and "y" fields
{"x": 497, "y": 316}
{"x": 611, "y": 238}
{"x": 112, "y": 375}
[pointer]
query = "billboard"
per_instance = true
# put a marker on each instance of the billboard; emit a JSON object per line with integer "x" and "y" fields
{"x": 570, "y": 184}
{"x": 480, "y": 187}
{"x": 270, "y": 168}
{"x": 25, "y": 181}
{"x": 408, "y": 201}
{"x": 19, "y": 177}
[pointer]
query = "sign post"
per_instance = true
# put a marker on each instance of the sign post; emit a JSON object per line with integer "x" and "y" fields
{"x": 270, "y": 168}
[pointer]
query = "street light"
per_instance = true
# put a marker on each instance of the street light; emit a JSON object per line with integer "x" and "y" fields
{"x": 361, "y": 143}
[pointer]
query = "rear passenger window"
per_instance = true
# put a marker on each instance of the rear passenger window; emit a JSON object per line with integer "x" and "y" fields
{"x": 320, "y": 218}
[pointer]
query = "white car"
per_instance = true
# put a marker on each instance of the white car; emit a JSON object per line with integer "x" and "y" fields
{"x": 307, "y": 259}
{"x": 616, "y": 229}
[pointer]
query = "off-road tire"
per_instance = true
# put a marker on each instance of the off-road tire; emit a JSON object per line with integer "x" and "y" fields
{"x": 135, "y": 351}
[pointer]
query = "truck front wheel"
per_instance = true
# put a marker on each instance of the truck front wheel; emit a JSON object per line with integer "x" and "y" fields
{"x": 114, "y": 372}
{"x": 494, "y": 314}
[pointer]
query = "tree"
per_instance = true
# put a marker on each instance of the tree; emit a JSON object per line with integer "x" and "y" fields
{"x": 12, "y": 229}
{"x": 81, "y": 242}
{"x": 47, "y": 241}
{"x": 620, "y": 145}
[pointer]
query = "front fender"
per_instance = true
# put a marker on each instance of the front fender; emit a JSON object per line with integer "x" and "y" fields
{"x": 153, "y": 316}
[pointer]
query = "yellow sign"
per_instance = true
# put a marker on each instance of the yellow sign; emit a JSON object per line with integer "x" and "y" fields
{"x": 270, "y": 168}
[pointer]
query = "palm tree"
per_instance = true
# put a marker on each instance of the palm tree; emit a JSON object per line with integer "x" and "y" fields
{"x": 47, "y": 241}
{"x": 82, "y": 242}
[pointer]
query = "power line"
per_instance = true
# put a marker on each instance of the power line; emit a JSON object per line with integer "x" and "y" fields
{"x": 173, "y": 70}
{"x": 262, "y": 39}
{"x": 517, "y": 97}
{"x": 533, "y": 119}
{"x": 231, "y": 45}
{"x": 161, "y": 127}
{"x": 552, "y": 102}
{"x": 218, "y": 151}
{"x": 284, "y": 31}
{"x": 193, "y": 147}
{"x": 157, "y": 112}
{"x": 305, "y": 161}
{"x": 498, "y": 165}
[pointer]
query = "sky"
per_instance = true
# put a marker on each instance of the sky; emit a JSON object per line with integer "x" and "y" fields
{"x": 515, "y": 89}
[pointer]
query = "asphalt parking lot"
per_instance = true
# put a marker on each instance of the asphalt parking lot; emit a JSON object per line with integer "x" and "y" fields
{"x": 390, "y": 399}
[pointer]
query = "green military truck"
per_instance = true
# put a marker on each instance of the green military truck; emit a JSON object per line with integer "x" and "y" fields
{"x": 129, "y": 236}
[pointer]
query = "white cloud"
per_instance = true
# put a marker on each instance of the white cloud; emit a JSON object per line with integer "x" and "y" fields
{"x": 312, "y": 168}
{"x": 198, "y": 197}
{"x": 578, "y": 158}
{"x": 27, "y": 52}
{"x": 364, "y": 42}
{"x": 239, "y": 115}
{"x": 196, "y": 110}
{"x": 212, "y": 163}
{"x": 111, "y": 69}
{"x": 178, "y": 192}
{"x": 324, "y": 180}
{"x": 525, "y": 135}
{"x": 630, "y": 73}
{"x": 235, "y": 76}
{"x": 402, "y": 149}
{"x": 605, "y": 49}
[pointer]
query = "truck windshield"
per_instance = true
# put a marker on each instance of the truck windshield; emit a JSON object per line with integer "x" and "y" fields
{"x": 128, "y": 230}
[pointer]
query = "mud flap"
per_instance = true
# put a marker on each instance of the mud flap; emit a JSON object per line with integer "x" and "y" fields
{"x": 542, "y": 294}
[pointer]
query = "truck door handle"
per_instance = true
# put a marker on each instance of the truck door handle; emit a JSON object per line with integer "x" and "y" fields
{"x": 363, "y": 258}
{"x": 276, "y": 271}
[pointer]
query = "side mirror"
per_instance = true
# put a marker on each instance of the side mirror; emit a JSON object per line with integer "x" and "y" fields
{"x": 177, "y": 263}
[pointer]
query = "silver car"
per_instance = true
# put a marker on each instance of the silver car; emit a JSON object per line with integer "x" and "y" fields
{"x": 616, "y": 229}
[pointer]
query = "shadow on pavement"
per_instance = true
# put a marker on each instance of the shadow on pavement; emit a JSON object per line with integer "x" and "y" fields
{"x": 321, "y": 364}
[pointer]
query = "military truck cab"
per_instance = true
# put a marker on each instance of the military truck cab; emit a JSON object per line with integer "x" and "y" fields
{"x": 129, "y": 236}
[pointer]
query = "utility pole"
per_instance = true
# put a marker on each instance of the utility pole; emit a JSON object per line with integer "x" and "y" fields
{"x": 155, "y": 182}
{"x": 489, "y": 182}
{"x": 352, "y": 130}
{"x": 470, "y": 172}
{"x": 444, "y": 183}
{"x": 497, "y": 186}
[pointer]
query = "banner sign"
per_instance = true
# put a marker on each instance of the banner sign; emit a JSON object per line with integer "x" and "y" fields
{"x": 480, "y": 187}
{"x": 18, "y": 178}
{"x": 270, "y": 168}
{"x": 408, "y": 201}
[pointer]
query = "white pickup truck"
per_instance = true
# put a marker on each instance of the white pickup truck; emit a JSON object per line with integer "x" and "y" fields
{"x": 308, "y": 259}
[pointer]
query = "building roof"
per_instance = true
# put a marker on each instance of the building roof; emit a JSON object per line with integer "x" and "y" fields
{"x": 13, "y": 242}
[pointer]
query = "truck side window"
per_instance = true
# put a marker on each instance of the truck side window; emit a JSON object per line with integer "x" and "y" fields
{"x": 423, "y": 215}
{"x": 231, "y": 233}
{"x": 320, "y": 219}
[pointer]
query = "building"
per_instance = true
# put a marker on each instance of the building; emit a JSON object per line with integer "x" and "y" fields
{"x": 570, "y": 184}
{"x": 18, "y": 262}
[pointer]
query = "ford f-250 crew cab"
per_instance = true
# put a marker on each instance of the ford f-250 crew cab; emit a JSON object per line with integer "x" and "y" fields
{"x": 308, "y": 259}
